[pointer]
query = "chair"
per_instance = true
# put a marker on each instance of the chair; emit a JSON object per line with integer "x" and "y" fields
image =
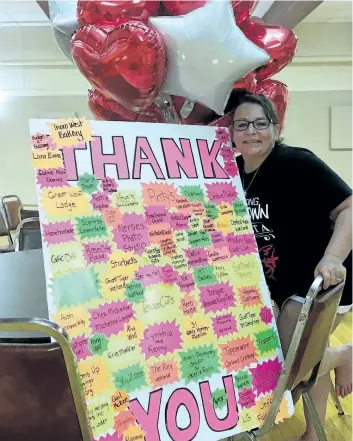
{"x": 4, "y": 232}
{"x": 40, "y": 395}
{"x": 28, "y": 235}
{"x": 11, "y": 206}
{"x": 27, "y": 211}
{"x": 305, "y": 353}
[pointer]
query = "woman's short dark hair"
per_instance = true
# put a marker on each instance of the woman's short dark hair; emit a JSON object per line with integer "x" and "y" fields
{"x": 240, "y": 97}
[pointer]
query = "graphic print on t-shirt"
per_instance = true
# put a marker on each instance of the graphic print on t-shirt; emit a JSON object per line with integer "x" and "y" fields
{"x": 264, "y": 234}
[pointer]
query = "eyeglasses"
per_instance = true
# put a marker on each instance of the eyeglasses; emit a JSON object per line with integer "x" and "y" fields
{"x": 259, "y": 124}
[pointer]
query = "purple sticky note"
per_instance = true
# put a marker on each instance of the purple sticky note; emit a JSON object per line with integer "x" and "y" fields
{"x": 97, "y": 252}
{"x": 160, "y": 339}
{"x": 56, "y": 177}
{"x": 221, "y": 192}
{"x": 111, "y": 318}
{"x": 224, "y": 324}
{"x": 80, "y": 347}
{"x": 58, "y": 232}
{"x": 217, "y": 297}
{"x": 266, "y": 375}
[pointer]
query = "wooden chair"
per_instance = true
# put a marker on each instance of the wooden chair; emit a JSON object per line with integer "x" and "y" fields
{"x": 11, "y": 207}
{"x": 4, "y": 232}
{"x": 309, "y": 342}
{"x": 40, "y": 395}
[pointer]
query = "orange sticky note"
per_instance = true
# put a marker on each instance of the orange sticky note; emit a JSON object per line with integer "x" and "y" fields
{"x": 164, "y": 372}
{"x": 134, "y": 433}
{"x": 70, "y": 132}
{"x": 164, "y": 195}
{"x": 238, "y": 353}
{"x": 160, "y": 232}
{"x": 123, "y": 421}
{"x": 250, "y": 296}
{"x": 47, "y": 159}
{"x": 119, "y": 401}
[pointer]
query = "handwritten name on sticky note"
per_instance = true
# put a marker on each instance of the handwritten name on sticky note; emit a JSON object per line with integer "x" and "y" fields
{"x": 70, "y": 132}
{"x": 62, "y": 202}
{"x": 47, "y": 159}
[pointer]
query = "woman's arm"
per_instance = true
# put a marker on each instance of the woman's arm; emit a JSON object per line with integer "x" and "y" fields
{"x": 340, "y": 245}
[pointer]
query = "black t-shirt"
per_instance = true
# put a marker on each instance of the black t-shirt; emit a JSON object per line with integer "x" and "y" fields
{"x": 290, "y": 198}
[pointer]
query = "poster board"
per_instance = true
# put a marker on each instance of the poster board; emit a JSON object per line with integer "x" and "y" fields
{"x": 152, "y": 270}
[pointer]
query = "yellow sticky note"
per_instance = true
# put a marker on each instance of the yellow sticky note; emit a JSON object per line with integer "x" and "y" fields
{"x": 128, "y": 201}
{"x": 121, "y": 353}
{"x": 121, "y": 270}
{"x": 47, "y": 159}
{"x": 244, "y": 270}
{"x": 94, "y": 376}
{"x": 70, "y": 132}
{"x": 75, "y": 321}
{"x": 197, "y": 330}
{"x": 249, "y": 321}
{"x": 63, "y": 202}
{"x": 66, "y": 257}
{"x": 283, "y": 412}
{"x": 133, "y": 331}
{"x": 101, "y": 416}
{"x": 247, "y": 420}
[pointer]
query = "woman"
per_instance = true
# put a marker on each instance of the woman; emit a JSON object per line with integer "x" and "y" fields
{"x": 301, "y": 213}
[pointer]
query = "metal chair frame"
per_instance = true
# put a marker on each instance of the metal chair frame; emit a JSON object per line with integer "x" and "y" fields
{"x": 23, "y": 222}
{"x": 61, "y": 337}
{"x": 282, "y": 385}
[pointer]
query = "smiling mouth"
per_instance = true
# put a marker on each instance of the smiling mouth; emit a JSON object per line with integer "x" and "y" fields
{"x": 252, "y": 142}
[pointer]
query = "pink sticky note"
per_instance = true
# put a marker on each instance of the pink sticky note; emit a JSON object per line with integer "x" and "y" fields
{"x": 231, "y": 168}
{"x": 226, "y": 153}
{"x": 196, "y": 257}
{"x": 266, "y": 315}
{"x": 56, "y": 177}
{"x": 109, "y": 185}
{"x": 97, "y": 252}
{"x": 80, "y": 347}
{"x": 156, "y": 214}
{"x": 169, "y": 275}
{"x": 110, "y": 318}
{"x": 148, "y": 275}
{"x": 242, "y": 244}
{"x": 42, "y": 141}
{"x": 224, "y": 325}
{"x": 217, "y": 297}
{"x": 247, "y": 398}
{"x": 222, "y": 134}
{"x": 160, "y": 339}
{"x": 58, "y": 232}
{"x": 179, "y": 221}
{"x": 266, "y": 375}
{"x": 100, "y": 201}
{"x": 132, "y": 233}
{"x": 186, "y": 282}
{"x": 221, "y": 192}
{"x": 219, "y": 240}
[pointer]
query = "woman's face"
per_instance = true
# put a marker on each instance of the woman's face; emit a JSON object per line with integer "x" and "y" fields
{"x": 253, "y": 142}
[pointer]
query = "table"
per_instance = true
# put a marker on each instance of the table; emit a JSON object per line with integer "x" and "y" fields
{"x": 22, "y": 289}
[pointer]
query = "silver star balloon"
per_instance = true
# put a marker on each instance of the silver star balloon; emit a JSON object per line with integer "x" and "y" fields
{"x": 207, "y": 53}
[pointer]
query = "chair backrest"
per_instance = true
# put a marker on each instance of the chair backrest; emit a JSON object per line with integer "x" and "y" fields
{"x": 316, "y": 333}
{"x": 27, "y": 211}
{"x": 3, "y": 227}
{"x": 28, "y": 236}
{"x": 41, "y": 397}
{"x": 35, "y": 396}
{"x": 308, "y": 344}
{"x": 12, "y": 205}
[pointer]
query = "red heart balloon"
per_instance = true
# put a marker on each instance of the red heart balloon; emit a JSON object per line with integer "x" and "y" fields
{"x": 125, "y": 63}
{"x": 182, "y": 7}
{"x": 243, "y": 9}
{"x": 278, "y": 41}
{"x": 114, "y": 12}
{"x": 247, "y": 82}
{"x": 108, "y": 110}
{"x": 278, "y": 93}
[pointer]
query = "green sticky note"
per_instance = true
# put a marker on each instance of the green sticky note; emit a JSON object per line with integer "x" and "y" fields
{"x": 199, "y": 363}
{"x": 98, "y": 344}
{"x": 267, "y": 341}
{"x": 239, "y": 208}
{"x": 199, "y": 239}
{"x": 89, "y": 227}
{"x": 204, "y": 275}
{"x": 130, "y": 378}
{"x": 211, "y": 210}
{"x": 88, "y": 183}
{"x": 219, "y": 399}
{"x": 75, "y": 288}
{"x": 193, "y": 192}
{"x": 134, "y": 291}
{"x": 243, "y": 380}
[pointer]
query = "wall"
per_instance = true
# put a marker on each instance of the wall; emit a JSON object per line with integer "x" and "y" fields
{"x": 36, "y": 81}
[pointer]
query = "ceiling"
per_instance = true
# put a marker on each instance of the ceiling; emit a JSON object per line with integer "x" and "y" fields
{"x": 331, "y": 12}
{"x": 28, "y": 13}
